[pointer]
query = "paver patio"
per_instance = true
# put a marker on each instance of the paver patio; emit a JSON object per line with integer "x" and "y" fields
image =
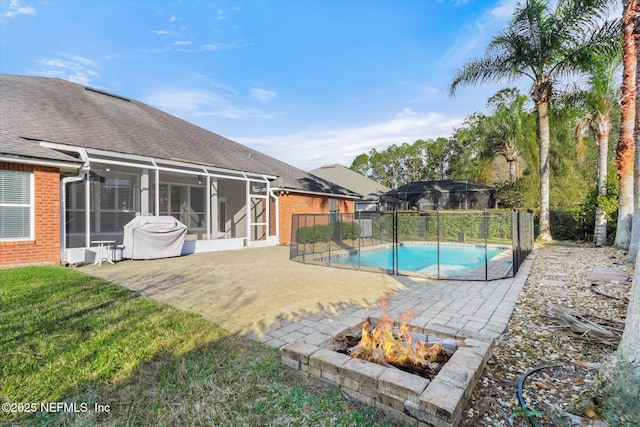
{"x": 261, "y": 293}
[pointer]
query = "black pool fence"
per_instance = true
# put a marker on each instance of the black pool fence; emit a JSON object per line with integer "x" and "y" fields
{"x": 463, "y": 245}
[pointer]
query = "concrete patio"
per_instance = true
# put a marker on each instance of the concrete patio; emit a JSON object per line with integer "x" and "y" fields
{"x": 261, "y": 293}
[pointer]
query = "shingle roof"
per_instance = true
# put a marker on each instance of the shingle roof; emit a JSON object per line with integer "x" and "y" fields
{"x": 13, "y": 146}
{"x": 345, "y": 177}
{"x": 56, "y": 110}
{"x": 440, "y": 186}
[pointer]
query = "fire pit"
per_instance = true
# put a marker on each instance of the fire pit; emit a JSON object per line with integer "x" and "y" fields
{"x": 403, "y": 348}
{"x": 427, "y": 378}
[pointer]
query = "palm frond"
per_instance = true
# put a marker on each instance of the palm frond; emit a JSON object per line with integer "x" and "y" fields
{"x": 490, "y": 69}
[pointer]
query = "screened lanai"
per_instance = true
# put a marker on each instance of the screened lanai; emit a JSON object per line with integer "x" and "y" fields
{"x": 222, "y": 208}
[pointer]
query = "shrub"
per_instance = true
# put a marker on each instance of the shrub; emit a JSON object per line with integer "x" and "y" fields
{"x": 314, "y": 234}
{"x": 408, "y": 224}
{"x": 453, "y": 223}
{"x": 499, "y": 224}
{"x": 349, "y": 230}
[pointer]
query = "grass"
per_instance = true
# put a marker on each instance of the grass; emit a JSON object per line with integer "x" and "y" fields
{"x": 69, "y": 337}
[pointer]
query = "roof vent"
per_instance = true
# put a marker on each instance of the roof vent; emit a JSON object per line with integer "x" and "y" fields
{"x": 102, "y": 92}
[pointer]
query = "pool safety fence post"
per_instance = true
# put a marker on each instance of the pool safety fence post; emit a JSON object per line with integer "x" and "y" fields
{"x": 329, "y": 239}
{"x": 395, "y": 242}
{"x": 304, "y": 250}
{"x": 293, "y": 240}
{"x": 515, "y": 240}
{"x": 486, "y": 255}
{"x": 360, "y": 237}
{"x": 438, "y": 241}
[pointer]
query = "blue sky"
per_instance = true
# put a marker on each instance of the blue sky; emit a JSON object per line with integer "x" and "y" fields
{"x": 308, "y": 82}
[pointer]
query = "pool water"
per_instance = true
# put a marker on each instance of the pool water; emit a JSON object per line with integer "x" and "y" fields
{"x": 424, "y": 258}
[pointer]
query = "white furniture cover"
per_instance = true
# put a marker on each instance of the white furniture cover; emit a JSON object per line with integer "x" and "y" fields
{"x": 152, "y": 237}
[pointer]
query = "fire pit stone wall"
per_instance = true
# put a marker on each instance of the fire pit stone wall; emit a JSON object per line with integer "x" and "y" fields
{"x": 408, "y": 397}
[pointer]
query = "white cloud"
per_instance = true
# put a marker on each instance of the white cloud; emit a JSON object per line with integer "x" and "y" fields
{"x": 474, "y": 38}
{"x": 16, "y": 9}
{"x": 313, "y": 148}
{"x": 70, "y": 67}
{"x": 503, "y": 10}
{"x": 430, "y": 90}
{"x": 179, "y": 46}
{"x": 407, "y": 112}
{"x": 190, "y": 104}
{"x": 262, "y": 95}
{"x": 184, "y": 101}
{"x": 180, "y": 43}
{"x": 173, "y": 19}
{"x": 170, "y": 33}
{"x": 218, "y": 46}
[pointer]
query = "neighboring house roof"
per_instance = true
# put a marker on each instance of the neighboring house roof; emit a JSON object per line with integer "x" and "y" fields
{"x": 441, "y": 186}
{"x": 444, "y": 194}
{"x": 56, "y": 110}
{"x": 345, "y": 177}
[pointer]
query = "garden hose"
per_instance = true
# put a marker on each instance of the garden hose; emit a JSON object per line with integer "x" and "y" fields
{"x": 523, "y": 404}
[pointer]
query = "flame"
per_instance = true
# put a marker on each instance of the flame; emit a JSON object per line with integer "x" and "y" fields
{"x": 381, "y": 345}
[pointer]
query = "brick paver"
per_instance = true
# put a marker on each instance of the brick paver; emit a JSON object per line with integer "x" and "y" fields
{"x": 478, "y": 310}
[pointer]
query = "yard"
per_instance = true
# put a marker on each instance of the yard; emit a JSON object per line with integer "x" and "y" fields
{"x": 79, "y": 350}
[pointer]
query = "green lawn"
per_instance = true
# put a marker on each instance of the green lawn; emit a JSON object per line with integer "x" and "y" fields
{"x": 69, "y": 338}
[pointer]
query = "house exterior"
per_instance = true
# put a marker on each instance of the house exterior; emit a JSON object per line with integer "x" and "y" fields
{"x": 78, "y": 163}
{"x": 441, "y": 194}
{"x": 371, "y": 191}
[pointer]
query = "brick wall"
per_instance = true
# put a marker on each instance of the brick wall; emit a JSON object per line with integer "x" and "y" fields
{"x": 45, "y": 248}
{"x": 297, "y": 203}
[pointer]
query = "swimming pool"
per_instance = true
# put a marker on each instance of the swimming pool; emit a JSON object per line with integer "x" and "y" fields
{"x": 423, "y": 258}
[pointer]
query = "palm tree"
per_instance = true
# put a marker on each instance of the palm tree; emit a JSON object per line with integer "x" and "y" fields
{"x": 617, "y": 380}
{"x": 600, "y": 100}
{"x": 508, "y": 126}
{"x": 545, "y": 46}
{"x": 625, "y": 148}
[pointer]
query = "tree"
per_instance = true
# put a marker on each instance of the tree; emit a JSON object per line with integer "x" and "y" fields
{"x": 397, "y": 165}
{"x": 508, "y": 128}
{"x": 599, "y": 99}
{"x": 477, "y": 156}
{"x": 634, "y": 245}
{"x": 618, "y": 381}
{"x": 625, "y": 148}
{"x": 543, "y": 45}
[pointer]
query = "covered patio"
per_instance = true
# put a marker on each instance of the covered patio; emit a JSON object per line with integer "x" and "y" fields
{"x": 222, "y": 208}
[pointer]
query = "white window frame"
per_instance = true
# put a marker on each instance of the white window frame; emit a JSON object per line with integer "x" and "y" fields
{"x": 30, "y": 205}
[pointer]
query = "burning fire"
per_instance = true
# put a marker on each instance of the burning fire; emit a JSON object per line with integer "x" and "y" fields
{"x": 381, "y": 345}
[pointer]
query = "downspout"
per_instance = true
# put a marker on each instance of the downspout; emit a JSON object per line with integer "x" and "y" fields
{"x": 277, "y": 214}
{"x": 248, "y": 210}
{"x": 84, "y": 171}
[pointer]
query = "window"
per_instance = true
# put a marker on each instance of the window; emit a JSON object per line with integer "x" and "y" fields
{"x": 186, "y": 203}
{"x": 117, "y": 203}
{"x": 16, "y": 205}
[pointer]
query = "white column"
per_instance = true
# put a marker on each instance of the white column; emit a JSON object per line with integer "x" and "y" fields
{"x": 87, "y": 210}
{"x": 267, "y": 202}
{"x": 144, "y": 192}
{"x": 212, "y": 194}
{"x": 248, "y": 209}
{"x": 157, "y": 198}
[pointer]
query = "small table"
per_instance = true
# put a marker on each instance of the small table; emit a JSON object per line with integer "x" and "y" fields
{"x": 102, "y": 246}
